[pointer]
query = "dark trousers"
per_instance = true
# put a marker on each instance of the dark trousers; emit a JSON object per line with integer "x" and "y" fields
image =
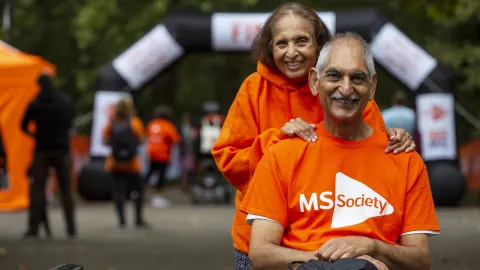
{"x": 123, "y": 183}
{"x": 160, "y": 168}
{"x": 241, "y": 260}
{"x": 60, "y": 162}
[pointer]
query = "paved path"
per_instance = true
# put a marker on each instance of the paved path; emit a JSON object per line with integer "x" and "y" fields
{"x": 184, "y": 237}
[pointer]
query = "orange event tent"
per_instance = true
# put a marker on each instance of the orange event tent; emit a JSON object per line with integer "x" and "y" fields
{"x": 18, "y": 75}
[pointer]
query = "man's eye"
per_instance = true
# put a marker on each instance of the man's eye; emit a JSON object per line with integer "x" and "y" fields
{"x": 332, "y": 76}
{"x": 358, "y": 80}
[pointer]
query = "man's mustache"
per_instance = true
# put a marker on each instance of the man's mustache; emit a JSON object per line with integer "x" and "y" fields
{"x": 338, "y": 96}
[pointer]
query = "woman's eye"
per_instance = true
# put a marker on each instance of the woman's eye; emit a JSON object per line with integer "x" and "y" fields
{"x": 302, "y": 42}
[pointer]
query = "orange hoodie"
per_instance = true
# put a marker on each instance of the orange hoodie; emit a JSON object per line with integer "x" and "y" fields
{"x": 264, "y": 103}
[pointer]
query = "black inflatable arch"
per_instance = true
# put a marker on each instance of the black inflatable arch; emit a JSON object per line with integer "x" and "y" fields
{"x": 196, "y": 32}
{"x": 193, "y": 32}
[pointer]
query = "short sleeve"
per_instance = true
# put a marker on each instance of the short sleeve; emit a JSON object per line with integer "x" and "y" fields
{"x": 419, "y": 213}
{"x": 267, "y": 195}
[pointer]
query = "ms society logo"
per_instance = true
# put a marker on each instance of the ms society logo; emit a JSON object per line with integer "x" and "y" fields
{"x": 353, "y": 203}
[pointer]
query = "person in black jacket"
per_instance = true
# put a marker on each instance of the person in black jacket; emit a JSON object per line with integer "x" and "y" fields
{"x": 53, "y": 115}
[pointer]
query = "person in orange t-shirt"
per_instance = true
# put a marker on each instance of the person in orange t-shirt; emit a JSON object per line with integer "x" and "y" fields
{"x": 270, "y": 98}
{"x": 161, "y": 135}
{"x": 341, "y": 197}
{"x": 126, "y": 174}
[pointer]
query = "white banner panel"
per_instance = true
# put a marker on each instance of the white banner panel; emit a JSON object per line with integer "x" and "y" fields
{"x": 436, "y": 125}
{"x": 103, "y": 110}
{"x": 236, "y": 31}
{"x": 401, "y": 56}
{"x": 147, "y": 57}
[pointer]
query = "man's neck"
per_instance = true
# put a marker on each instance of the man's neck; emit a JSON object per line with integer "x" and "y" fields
{"x": 353, "y": 131}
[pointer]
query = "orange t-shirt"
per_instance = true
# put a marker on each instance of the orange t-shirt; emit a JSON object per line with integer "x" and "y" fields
{"x": 133, "y": 166}
{"x": 336, "y": 188}
{"x": 265, "y": 102}
{"x": 161, "y": 135}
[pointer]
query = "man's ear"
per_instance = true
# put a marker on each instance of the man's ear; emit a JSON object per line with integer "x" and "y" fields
{"x": 373, "y": 87}
{"x": 312, "y": 81}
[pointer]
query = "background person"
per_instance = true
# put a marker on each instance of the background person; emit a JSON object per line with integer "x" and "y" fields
{"x": 53, "y": 115}
{"x": 124, "y": 133}
{"x": 400, "y": 115}
{"x": 161, "y": 136}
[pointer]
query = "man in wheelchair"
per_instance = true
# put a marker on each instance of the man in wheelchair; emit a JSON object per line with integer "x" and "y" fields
{"x": 341, "y": 196}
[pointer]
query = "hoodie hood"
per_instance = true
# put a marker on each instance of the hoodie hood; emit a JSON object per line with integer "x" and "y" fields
{"x": 279, "y": 80}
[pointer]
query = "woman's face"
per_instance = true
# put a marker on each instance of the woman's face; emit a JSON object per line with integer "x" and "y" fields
{"x": 294, "y": 47}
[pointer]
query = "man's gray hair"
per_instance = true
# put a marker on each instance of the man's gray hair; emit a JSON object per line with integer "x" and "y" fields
{"x": 327, "y": 51}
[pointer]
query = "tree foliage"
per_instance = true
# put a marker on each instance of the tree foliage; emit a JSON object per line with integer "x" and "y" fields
{"x": 80, "y": 36}
{"x": 456, "y": 43}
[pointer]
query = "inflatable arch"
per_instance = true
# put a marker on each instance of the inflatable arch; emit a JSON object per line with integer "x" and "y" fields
{"x": 180, "y": 33}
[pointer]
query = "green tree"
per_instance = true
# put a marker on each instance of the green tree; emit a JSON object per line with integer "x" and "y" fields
{"x": 80, "y": 36}
{"x": 456, "y": 43}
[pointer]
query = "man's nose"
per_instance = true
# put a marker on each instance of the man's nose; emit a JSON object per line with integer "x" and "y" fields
{"x": 346, "y": 88}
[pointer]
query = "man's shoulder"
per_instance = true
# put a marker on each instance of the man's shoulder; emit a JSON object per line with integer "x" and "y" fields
{"x": 290, "y": 145}
{"x": 403, "y": 161}
{"x": 411, "y": 163}
{"x": 381, "y": 139}
{"x": 289, "y": 149}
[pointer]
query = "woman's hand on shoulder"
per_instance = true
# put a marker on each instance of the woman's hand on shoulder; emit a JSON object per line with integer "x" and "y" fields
{"x": 400, "y": 141}
{"x": 300, "y": 128}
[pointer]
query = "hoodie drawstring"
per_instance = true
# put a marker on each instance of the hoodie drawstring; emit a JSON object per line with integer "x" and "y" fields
{"x": 288, "y": 106}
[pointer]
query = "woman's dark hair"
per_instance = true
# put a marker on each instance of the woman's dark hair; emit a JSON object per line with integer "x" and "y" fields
{"x": 262, "y": 46}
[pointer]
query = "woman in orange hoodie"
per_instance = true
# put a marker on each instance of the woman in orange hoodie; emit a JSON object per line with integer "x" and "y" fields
{"x": 275, "y": 103}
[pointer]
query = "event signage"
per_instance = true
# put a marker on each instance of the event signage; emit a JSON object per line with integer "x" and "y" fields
{"x": 103, "y": 111}
{"x": 402, "y": 57}
{"x": 147, "y": 57}
{"x": 236, "y": 31}
{"x": 436, "y": 125}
